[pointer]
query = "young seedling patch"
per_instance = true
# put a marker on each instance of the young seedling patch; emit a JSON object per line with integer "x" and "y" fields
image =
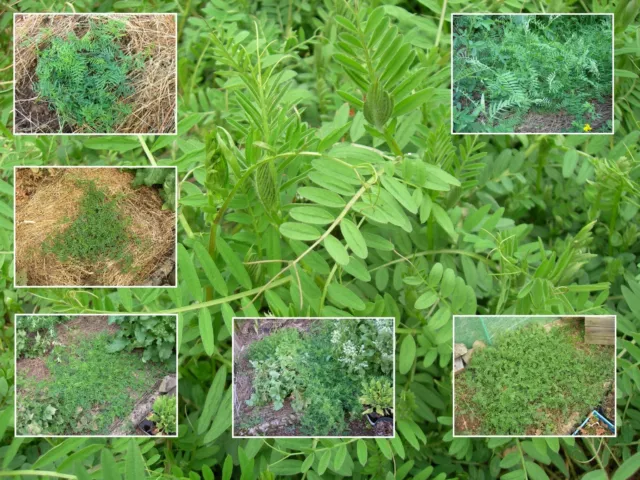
{"x": 99, "y": 226}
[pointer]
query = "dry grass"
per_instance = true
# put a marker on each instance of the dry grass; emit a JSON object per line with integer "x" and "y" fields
{"x": 46, "y": 196}
{"x": 153, "y": 103}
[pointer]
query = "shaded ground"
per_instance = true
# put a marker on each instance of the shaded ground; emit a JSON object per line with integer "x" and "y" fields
{"x": 466, "y": 422}
{"x": 544, "y": 122}
{"x": 263, "y": 420}
{"x": 34, "y": 379}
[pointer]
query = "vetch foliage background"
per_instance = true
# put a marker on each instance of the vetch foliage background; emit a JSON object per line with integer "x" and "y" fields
{"x": 299, "y": 196}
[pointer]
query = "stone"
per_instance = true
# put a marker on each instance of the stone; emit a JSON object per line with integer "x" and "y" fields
{"x": 168, "y": 383}
{"x": 467, "y": 356}
{"x": 479, "y": 345}
{"x": 458, "y": 365}
{"x": 459, "y": 349}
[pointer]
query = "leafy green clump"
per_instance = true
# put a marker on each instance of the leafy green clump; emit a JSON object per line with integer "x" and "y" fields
{"x": 377, "y": 396}
{"x": 165, "y": 178}
{"x": 35, "y": 334}
{"x": 506, "y": 65}
{"x": 155, "y": 334}
{"x": 164, "y": 414}
{"x": 86, "y": 79}
{"x": 100, "y": 231}
{"x": 309, "y": 368}
{"x": 531, "y": 378}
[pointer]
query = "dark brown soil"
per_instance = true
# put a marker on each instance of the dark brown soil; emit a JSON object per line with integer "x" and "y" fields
{"x": 544, "y": 122}
{"x": 466, "y": 423}
{"x": 33, "y": 115}
{"x": 264, "y": 421}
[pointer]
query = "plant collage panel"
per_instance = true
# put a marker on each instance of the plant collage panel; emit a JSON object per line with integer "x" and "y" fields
{"x": 320, "y": 239}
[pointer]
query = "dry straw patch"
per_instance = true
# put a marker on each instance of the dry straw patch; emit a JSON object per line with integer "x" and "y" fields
{"x": 153, "y": 103}
{"x": 45, "y": 197}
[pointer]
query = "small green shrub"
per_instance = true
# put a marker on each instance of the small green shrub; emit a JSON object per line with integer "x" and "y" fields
{"x": 100, "y": 231}
{"x": 156, "y": 334}
{"x": 377, "y": 396}
{"x": 164, "y": 413}
{"x": 86, "y": 79}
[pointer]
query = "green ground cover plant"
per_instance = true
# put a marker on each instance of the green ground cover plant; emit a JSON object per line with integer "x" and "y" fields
{"x": 99, "y": 232}
{"x": 85, "y": 79}
{"x": 506, "y": 66}
{"x": 540, "y": 224}
{"x": 88, "y": 388}
{"x": 327, "y": 371}
{"x": 532, "y": 381}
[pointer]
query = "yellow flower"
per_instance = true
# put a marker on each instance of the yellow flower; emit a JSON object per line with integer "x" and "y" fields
{"x": 587, "y": 127}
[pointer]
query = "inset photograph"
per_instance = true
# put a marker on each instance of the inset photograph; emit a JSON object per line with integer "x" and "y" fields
{"x": 95, "y": 73}
{"x": 95, "y": 226}
{"x": 534, "y": 376}
{"x": 96, "y": 375}
{"x": 532, "y": 73}
{"x": 313, "y": 377}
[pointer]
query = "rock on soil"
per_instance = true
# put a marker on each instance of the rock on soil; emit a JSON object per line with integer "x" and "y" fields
{"x": 459, "y": 350}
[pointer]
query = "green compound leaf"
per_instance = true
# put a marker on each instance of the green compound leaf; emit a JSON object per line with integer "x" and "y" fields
{"x": 354, "y": 238}
{"x": 362, "y": 452}
{"x": 205, "y": 325}
{"x": 337, "y": 251}
{"x": 299, "y": 231}
{"x": 407, "y": 354}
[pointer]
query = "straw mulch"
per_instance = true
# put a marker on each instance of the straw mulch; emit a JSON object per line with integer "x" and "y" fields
{"x": 48, "y": 198}
{"x": 153, "y": 103}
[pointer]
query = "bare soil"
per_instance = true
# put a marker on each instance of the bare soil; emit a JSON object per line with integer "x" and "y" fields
{"x": 609, "y": 406}
{"x": 558, "y": 122}
{"x": 263, "y": 420}
{"x": 32, "y": 367}
{"x": 83, "y": 328}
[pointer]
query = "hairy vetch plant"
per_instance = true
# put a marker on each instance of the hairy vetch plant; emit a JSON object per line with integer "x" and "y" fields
{"x": 85, "y": 79}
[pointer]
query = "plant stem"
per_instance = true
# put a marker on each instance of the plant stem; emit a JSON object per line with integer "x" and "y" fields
{"x": 147, "y": 152}
{"x": 38, "y": 473}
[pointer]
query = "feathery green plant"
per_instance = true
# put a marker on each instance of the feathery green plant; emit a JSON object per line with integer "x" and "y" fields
{"x": 86, "y": 80}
